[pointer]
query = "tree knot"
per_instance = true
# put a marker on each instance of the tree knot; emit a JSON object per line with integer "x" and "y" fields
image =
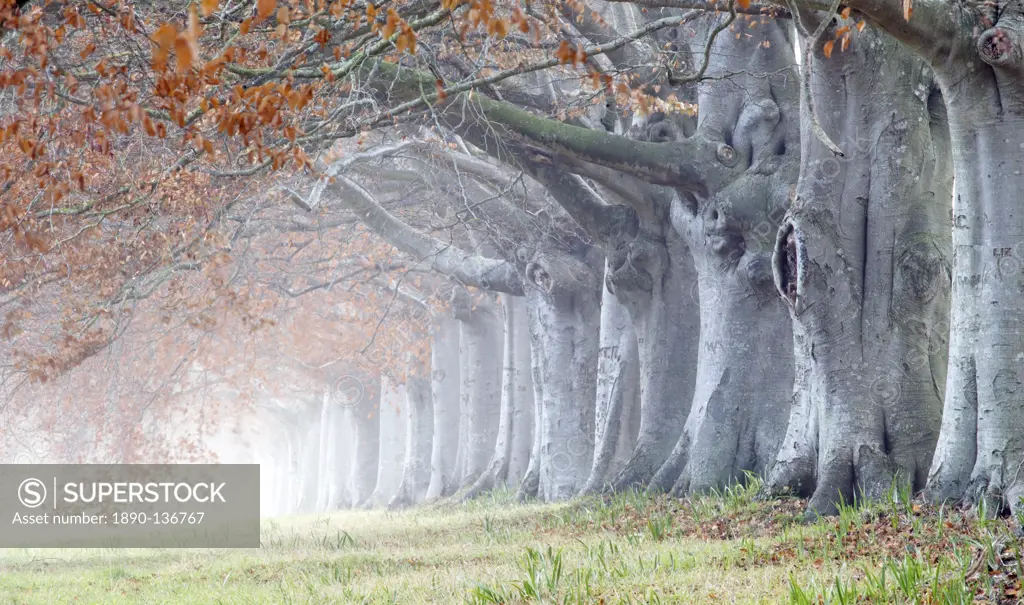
{"x": 726, "y": 155}
{"x": 628, "y": 269}
{"x": 999, "y": 47}
{"x": 539, "y": 277}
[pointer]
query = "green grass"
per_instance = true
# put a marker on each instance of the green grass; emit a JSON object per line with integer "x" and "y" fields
{"x": 631, "y": 548}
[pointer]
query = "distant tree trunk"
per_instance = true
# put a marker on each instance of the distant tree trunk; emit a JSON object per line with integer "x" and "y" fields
{"x": 565, "y": 295}
{"x": 419, "y": 435}
{"x": 496, "y": 472}
{"x": 444, "y": 385}
{"x": 325, "y": 461}
{"x": 522, "y": 396}
{"x": 617, "y": 392}
{"x": 309, "y": 467}
{"x": 391, "y": 461}
{"x": 344, "y": 450}
{"x": 480, "y": 354}
{"x": 863, "y": 261}
{"x": 294, "y": 488}
{"x": 282, "y": 474}
{"x": 529, "y": 486}
{"x": 365, "y": 422}
{"x": 462, "y": 447}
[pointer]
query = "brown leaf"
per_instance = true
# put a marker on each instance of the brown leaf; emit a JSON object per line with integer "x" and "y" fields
{"x": 163, "y": 38}
{"x": 828, "y": 48}
{"x": 908, "y": 9}
{"x": 194, "y": 28}
{"x": 208, "y": 7}
{"x": 265, "y": 8}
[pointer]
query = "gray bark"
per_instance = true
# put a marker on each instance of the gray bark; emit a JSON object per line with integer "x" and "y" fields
{"x": 419, "y": 434}
{"x": 467, "y": 268}
{"x": 863, "y": 261}
{"x": 294, "y": 466}
{"x": 282, "y": 481}
{"x": 564, "y": 295}
{"x": 391, "y": 461}
{"x": 655, "y": 282}
{"x": 522, "y": 396}
{"x": 976, "y": 54}
{"x": 617, "y": 392}
{"x": 309, "y": 467}
{"x": 340, "y": 496}
{"x": 481, "y": 337}
{"x": 744, "y": 362}
{"x": 497, "y": 471}
{"x": 530, "y": 485}
{"x": 325, "y": 463}
{"x": 445, "y": 394}
{"x": 364, "y": 418}
{"x": 980, "y": 451}
{"x": 459, "y": 472}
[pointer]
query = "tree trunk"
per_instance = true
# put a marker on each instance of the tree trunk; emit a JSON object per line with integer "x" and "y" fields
{"x": 391, "y": 461}
{"x": 325, "y": 462}
{"x": 293, "y": 488}
{"x": 496, "y": 472}
{"x": 980, "y": 450}
{"x": 745, "y": 367}
{"x": 565, "y": 296}
{"x": 364, "y": 418}
{"x": 522, "y": 396}
{"x": 530, "y": 485}
{"x": 617, "y": 392}
{"x": 282, "y": 475}
{"x": 630, "y": 425}
{"x": 744, "y": 362}
{"x": 340, "y": 495}
{"x": 863, "y": 262}
{"x": 444, "y": 384}
{"x": 309, "y": 467}
{"x": 655, "y": 282}
{"x": 419, "y": 434}
{"x": 481, "y": 335}
{"x": 363, "y": 479}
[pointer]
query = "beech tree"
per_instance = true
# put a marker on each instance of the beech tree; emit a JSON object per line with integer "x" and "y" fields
{"x": 561, "y": 301}
{"x": 678, "y": 159}
{"x": 864, "y": 261}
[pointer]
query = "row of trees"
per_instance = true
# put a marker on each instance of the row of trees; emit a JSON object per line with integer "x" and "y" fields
{"x": 732, "y": 230}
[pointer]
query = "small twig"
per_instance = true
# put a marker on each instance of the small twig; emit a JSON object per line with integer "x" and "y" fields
{"x": 810, "y": 41}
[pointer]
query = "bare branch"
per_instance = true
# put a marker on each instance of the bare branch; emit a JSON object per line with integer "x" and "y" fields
{"x": 467, "y": 268}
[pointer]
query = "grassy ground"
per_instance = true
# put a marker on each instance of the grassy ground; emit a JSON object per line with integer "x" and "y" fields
{"x": 726, "y": 548}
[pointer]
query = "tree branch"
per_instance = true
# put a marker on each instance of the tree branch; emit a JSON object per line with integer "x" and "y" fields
{"x": 469, "y": 269}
